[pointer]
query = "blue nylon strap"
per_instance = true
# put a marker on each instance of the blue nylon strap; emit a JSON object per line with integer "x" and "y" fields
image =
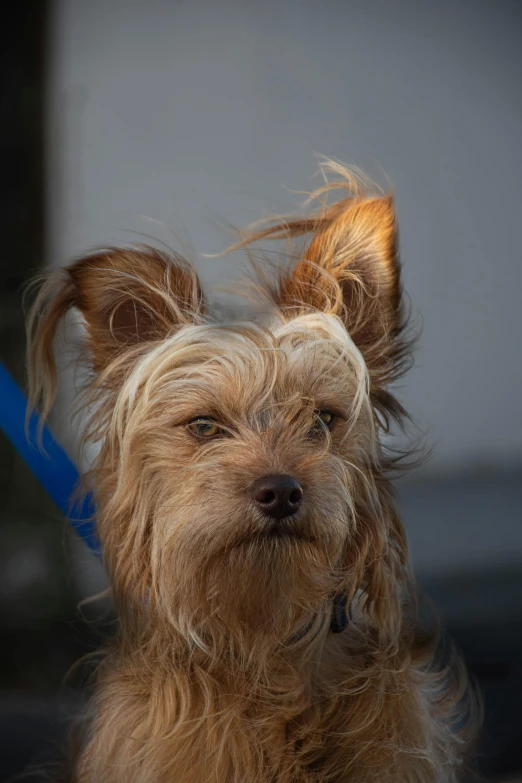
{"x": 50, "y": 464}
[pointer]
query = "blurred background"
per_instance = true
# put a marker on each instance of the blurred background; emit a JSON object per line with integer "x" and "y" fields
{"x": 166, "y": 120}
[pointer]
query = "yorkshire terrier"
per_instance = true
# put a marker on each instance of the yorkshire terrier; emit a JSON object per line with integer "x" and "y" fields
{"x": 268, "y": 628}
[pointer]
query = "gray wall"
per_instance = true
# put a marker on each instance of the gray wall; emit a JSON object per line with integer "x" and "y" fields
{"x": 192, "y": 113}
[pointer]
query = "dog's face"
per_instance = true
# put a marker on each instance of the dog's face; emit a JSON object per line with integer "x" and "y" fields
{"x": 239, "y": 483}
{"x": 244, "y": 445}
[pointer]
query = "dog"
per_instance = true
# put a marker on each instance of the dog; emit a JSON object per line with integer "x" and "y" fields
{"x": 268, "y": 627}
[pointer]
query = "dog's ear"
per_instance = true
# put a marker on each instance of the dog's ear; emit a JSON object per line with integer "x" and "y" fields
{"x": 351, "y": 269}
{"x": 126, "y": 297}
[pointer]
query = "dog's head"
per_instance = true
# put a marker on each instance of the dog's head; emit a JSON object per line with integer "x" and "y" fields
{"x": 241, "y": 480}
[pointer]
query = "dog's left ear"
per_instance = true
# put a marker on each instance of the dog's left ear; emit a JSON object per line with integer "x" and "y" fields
{"x": 127, "y": 297}
{"x": 351, "y": 269}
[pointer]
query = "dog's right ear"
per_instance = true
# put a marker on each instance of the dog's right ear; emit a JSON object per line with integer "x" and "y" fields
{"x": 126, "y": 297}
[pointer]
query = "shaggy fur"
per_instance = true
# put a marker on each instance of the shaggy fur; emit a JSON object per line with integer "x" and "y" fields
{"x": 225, "y": 669}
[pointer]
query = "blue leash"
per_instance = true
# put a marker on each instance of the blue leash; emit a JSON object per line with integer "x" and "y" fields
{"x": 50, "y": 464}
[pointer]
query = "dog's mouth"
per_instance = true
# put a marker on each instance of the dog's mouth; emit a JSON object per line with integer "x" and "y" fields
{"x": 278, "y": 531}
{"x": 282, "y": 530}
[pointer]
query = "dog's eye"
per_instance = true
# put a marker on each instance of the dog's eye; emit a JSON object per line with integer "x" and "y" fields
{"x": 204, "y": 428}
{"x": 324, "y": 419}
{"x": 327, "y": 417}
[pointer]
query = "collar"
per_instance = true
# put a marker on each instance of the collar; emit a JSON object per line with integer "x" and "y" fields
{"x": 339, "y": 619}
{"x": 341, "y": 613}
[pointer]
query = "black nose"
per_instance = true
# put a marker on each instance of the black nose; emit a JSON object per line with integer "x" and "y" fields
{"x": 277, "y": 496}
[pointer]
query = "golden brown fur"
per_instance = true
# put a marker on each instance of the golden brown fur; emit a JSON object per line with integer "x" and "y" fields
{"x": 224, "y": 669}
